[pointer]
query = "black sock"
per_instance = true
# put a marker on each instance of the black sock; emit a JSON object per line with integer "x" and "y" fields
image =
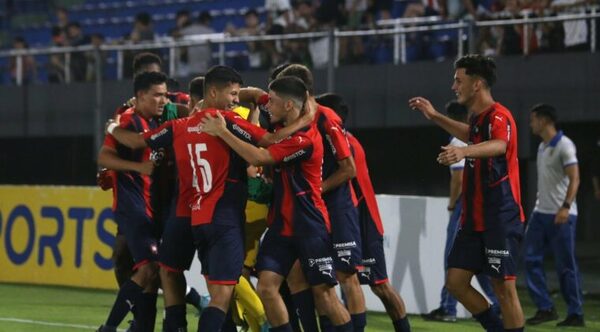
{"x": 283, "y": 328}
{"x": 344, "y": 327}
{"x": 490, "y": 321}
{"x": 126, "y": 300}
{"x": 518, "y": 329}
{"x": 305, "y": 304}
{"x": 175, "y": 317}
{"x": 359, "y": 321}
{"x": 326, "y": 325}
{"x": 193, "y": 298}
{"x": 228, "y": 324}
{"x": 402, "y": 325}
{"x": 290, "y": 306}
{"x": 145, "y": 312}
{"x": 212, "y": 319}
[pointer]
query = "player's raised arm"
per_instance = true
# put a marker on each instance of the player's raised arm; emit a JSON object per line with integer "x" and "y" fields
{"x": 455, "y": 128}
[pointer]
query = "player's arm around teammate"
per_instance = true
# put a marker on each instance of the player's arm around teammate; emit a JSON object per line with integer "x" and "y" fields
{"x": 285, "y": 107}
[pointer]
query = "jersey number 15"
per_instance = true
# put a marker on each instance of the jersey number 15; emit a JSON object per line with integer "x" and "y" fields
{"x": 200, "y": 165}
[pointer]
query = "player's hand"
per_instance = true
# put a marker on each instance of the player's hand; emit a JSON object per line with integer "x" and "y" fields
{"x": 308, "y": 112}
{"x": 104, "y": 179}
{"x": 423, "y": 105}
{"x": 131, "y": 102}
{"x": 562, "y": 216}
{"x": 108, "y": 124}
{"x": 213, "y": 125}
{"x": 450, "y": 155}
{"x": 146, "y": 167}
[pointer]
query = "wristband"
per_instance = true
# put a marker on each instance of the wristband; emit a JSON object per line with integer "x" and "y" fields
{"x": 263, "y": 99}
{"x": 566, "y": 205}
{"x": 111, "y": 127}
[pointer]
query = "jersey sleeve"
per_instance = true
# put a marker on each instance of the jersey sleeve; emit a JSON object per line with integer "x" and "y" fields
{"x": 243, "y": 129}
{"x": 568, "y": 153}
{"x": 293, "y": 148}
{"x": 125, "y": 122}
{"x": 160, "y": 137}
{"x": 460, "y": 164}
{"x": 335, "y": 136}
{"x": 500, "y": 127}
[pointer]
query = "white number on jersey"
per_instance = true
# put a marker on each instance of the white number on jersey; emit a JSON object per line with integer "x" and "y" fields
{"x": 201, "y": 165}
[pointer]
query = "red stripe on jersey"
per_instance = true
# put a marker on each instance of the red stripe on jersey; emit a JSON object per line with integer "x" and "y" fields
{"x": 287, "y": 205}
{"x": 363, "y": 181}
{"x": 146, "y": 179}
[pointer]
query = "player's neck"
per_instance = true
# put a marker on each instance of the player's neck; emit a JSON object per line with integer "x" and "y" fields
{"x": 141, "y": 113}
{"x": 481, "y": 103}
{"x": 548, "y": 134}
{"x": 208, "y": 103}
{"x": 291, "y": 117}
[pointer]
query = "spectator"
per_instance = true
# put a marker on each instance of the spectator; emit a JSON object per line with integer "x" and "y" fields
{"x": 576, "y": 32}
{"x": 29, "y": 66}
{"x": 56, "y": 63}
{"x": 183, "y": 19}
{"x": 62, "y": 18}
{"x": 76, "y": 38}
{"x": 143, "y": 29}
{"x": 257, "y": 54}
{"x": 199, "y": 57}
{"x": 96, "y": 39}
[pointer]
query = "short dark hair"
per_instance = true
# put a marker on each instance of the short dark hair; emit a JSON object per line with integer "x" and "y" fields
{"x": 196, "y": 87}
{"x": 146, "y": 80}
{"x": 204, "y": 17}
{"x": 143, "y": 18}
{"x": 289, "y": 87}
{"x": 221, "y": 76}
{"x": 336, "y": 103}
{"x": 478, "y": 65}
{"x": 545, "y": 111}
{"x": 251, "y": 11}
{"x": 301, "y": 72}
{"x": 145, "y": 59}
{"x": 457, "y": 111}
{"x": 275, "y": 72}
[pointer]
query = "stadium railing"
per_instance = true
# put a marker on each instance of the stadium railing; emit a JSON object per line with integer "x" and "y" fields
{"x": 398, "y": 28}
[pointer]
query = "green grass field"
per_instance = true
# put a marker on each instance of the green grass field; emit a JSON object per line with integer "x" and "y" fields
{"x": 45, "y": 309}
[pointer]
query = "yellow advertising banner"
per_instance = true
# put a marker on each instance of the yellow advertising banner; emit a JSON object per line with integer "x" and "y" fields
{"x": 57, "y": 235}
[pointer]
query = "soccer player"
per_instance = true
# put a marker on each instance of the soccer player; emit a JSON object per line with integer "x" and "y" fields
{"x": 132, "y": 203}
{"x": 447, "y": 310}
{"x": 374, "y": 272}
{"x": 298, "y": 219}
{"x": 338, "y": 169}
{"x": 552, "y": 224}
{"x": 492, "y": 217}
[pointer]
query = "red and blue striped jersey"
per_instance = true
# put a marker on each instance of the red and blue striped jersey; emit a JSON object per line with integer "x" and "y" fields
{"x": 210, "y": 173}
{"x": 298, "y": 208}
{"x": 362, "y": 182}
{"x": 491, "y": 186}
{"x": 132, "y": 189}
{"x": 335, "y": 148}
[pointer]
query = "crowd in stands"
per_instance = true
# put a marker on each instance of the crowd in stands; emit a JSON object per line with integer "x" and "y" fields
{"x": 297, "y": 16}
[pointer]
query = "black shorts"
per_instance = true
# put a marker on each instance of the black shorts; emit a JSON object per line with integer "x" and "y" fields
{"x": 221, "y": 252}
{"x": 346, "y": 238}
{"x": 374, "y": 270}
{"x": 278, "y": 253}
{"x": 176, "y": 251}
{"x": 140, "y": 233}
{"x": 493, "y": 252}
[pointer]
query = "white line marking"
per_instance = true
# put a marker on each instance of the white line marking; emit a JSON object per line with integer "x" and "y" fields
{"x": 37, "y": 322}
